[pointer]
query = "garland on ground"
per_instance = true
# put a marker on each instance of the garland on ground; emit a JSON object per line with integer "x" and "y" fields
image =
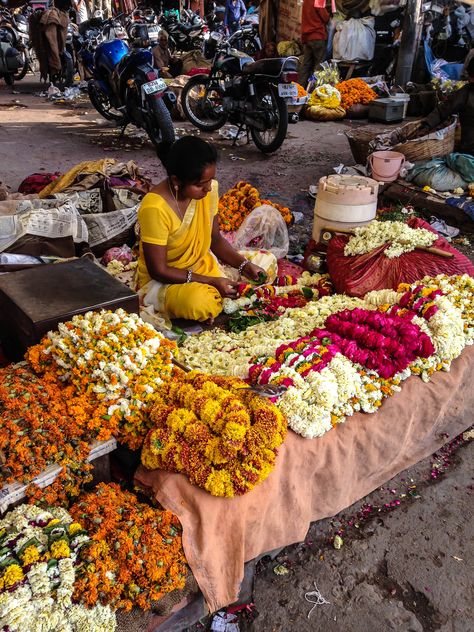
{"x": 217, "y": 432}
{"x": 135, "y": 555}
{"x": 43, "y": 422}
{"x": 113, "y": 358}
{"x": 399, "y": 238}
{"x": 240, "y": 201}
{"x": 40, "y": 558}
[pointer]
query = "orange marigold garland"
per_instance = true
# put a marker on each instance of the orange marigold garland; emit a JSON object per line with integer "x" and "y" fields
{"x": 216, "y": 431}
{"x": 354, "y": 92}
{"x": 136, "y": 555}
{"x": 240, "y": 201}
{"x": 114, "y": 358}
{"x": 43, "y": 422}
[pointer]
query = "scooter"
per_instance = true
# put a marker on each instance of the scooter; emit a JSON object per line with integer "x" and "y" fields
{"x": 15, "y": 31}
{"x": 10, "y": 58}
{"x": 126, "y": 88}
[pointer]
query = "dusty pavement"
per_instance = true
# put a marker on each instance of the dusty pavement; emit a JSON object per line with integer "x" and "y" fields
{"x": 405, "y": 564}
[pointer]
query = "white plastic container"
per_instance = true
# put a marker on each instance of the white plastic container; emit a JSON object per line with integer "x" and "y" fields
{"x": 344, "y": 201}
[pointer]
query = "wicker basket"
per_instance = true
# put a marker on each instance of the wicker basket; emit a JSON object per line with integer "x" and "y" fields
{"x": 433, "y": 145}
{"x": 359, "y": 140}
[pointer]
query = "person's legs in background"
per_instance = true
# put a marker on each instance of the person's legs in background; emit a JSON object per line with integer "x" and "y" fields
{"x": 314, "y": 53}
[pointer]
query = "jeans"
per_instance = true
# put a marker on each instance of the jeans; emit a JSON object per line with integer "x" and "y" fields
{"x": 314, "y": 53}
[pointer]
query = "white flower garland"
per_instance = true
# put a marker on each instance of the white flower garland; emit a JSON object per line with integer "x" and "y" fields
{"x": 40, "y": 600}
{"x": 401, "y": 238}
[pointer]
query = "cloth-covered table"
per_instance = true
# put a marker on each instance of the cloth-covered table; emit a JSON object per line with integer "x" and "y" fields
{"x": 313, "y": 479}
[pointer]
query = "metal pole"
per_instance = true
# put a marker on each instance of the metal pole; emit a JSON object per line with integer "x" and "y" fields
{"x": 411, "y": 33}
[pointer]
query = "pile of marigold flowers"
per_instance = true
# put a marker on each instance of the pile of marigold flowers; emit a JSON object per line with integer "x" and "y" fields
{"x": 135, "y": 555}
{"x": 114, "y": 358}
{"x": 216, "y": 431}
{"x": 240, "y": 201}
{"x": 355, "y": 92}
{"x": 44, "y": 422}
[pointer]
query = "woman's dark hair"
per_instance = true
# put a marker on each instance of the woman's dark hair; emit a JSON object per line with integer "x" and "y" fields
{"x": 63, "y": 5}
{"x": 188, "y": 157}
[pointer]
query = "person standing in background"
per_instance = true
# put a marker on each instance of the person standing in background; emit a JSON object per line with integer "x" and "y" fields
{"x": 314, "y": 37}
{"x": 235, "y": 13}
{"x": 80, "y": 7}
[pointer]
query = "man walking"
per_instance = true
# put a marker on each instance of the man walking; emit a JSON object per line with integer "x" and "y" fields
{"x": 314, "y": 36}
{"x": 235, "y": 13}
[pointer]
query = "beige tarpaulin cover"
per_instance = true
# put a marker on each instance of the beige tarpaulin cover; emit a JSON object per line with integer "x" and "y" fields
{"x": 313, "y": 479}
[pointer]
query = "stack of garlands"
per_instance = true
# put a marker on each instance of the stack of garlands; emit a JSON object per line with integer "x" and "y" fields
{"x": 135, "y": 555}
{"x": 40, "y": 559}
{"x": 240, "y": 201}
{"x": 114, "y": 358}
{"x": 217, "y": 432}
{"x": 269, "y": 301}
{"x": 44, "y": 422}
{"x": 355, "y": 92}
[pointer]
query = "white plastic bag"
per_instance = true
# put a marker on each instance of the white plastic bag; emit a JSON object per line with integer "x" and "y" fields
{"x": 267, "y": 228}
{"x": 354, "y": 40}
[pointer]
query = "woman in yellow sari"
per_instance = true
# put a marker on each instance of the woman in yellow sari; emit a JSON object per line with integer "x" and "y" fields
{"x": 180, "y": 242}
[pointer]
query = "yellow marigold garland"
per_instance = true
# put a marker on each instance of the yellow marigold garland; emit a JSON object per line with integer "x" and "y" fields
{"x": 222, "y": 436}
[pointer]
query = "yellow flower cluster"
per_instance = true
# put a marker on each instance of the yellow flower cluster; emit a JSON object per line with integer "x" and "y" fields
{"x": 216, "y": 431}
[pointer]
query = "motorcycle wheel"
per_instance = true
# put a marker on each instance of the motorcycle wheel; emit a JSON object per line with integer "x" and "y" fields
{"x": 102, "y": 104}
{"x": 159, "y": 127}
{"x": 21, "y": 72}
{"x": 203, "y": 110}
{"x": 272, "y": 104}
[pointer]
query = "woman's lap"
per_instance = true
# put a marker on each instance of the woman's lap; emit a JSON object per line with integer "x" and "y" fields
{"x": 193, "y": 301}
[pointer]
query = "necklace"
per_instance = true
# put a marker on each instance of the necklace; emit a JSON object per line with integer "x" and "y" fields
{"x": 175, "y": 198}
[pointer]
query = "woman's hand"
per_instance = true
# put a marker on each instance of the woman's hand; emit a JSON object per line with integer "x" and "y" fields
{"x": 251, "y": 271}
{"x": 226, "y": 287}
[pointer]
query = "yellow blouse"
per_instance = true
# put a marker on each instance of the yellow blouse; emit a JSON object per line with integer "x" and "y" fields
{"x": 188, "y": 241}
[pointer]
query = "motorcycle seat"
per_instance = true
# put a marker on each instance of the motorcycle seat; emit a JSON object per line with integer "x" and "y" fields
{"x": 187, "y": 28}
{"x": 271, "y": 67}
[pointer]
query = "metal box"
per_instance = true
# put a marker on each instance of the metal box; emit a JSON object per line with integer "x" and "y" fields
{"x": 387, "y": 110}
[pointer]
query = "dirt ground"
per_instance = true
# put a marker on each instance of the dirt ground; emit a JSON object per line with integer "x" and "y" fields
{"x": 407, "y": 549}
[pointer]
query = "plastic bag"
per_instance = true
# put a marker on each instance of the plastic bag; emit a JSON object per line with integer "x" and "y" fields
{"x": 360, "y": 274}
{"x": 289, "y": 48}
{"x": 266, "y": 228}
{"x": 322, "y": 113}
{"x": 354, "y": 40}
{"x": 437, "y": 175}
{"x": 462, "y": 164}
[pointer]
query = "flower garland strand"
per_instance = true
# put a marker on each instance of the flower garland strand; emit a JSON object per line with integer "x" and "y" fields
{"x": 217, "y": 432}
{"x": 112, "y": 357}
{"x": 398, "y": 237}
{"x": 39, "y": 563}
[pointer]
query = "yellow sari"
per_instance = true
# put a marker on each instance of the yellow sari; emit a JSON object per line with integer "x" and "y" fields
{"x": 188, "y": 245}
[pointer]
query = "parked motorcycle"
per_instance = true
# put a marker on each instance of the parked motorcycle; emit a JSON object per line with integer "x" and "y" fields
{"x": 250, "y": 94}
{"x": 10, "y": 58}
{"x": 184, "y": 35}
{"x": 15, "y": 32}
{"x": 126, "y": 88}
{"x": 143, "y": 24}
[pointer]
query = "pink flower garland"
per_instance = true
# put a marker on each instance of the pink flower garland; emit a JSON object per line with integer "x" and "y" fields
{"x": 385, "y": 343}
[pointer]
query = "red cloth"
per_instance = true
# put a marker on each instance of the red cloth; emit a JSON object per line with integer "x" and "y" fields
{"x": 36, "y": 182}
{"x": 313, "y": 22}
{"x": 357, "y": 275}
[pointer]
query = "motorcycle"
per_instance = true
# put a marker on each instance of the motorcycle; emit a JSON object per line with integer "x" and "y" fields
{"x": 10, "y": 58}
{"x": 126, "y": 88}
{"x": 143, "y": 25}
{"x": 15, "y": 32}
{"x": 184, "y": 36}
{"x": 244, "y": 92}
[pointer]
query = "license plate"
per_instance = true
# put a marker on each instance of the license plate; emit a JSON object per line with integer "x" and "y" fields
{"x": 287, "y": 90}
{"x": 157, "y": 85}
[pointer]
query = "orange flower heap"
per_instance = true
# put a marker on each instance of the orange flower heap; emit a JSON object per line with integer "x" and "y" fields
{"x": 240, "y": 201}
{"x": 112, "y": 357}
{"x": 136, "y": 555}
{"x": 355, "y": 92}
{"x": 44, "y": 422}
{"x": 216, "y": 431}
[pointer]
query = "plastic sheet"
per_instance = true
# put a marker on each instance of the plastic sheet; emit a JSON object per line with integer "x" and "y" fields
{"x": 354, "y": 40}
{"x": 358, "y": 275}
{"x": 266, "y": 229}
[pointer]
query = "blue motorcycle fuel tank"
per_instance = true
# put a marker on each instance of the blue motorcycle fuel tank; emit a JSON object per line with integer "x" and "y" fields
{"x": 108, "y": 54}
